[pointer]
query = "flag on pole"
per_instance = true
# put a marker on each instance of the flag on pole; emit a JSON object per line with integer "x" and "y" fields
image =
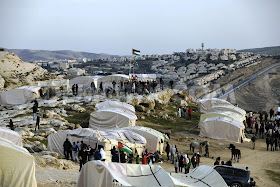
{"x": 123, "y": 148}
{"x": 166, "y": 136}
{"x": 135, "y": 52}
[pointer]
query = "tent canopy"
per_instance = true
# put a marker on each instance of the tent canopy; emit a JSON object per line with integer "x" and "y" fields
{"x": 11, "y": 136}
{"x": 54, "y": 83}
{"x": 233, "y": 115}
{"x": 126, "y": 174}
{"x": 114, "y": 77}
{"x": 115, "y": 104}
{"x": 145, "y": 77}
{"x": 91, "y": 137}
{"x": 228, "y": 108}
{"x": 17, "y": 165}
{"x": 20, "y": 95}
{"x": 155, "y": 139}
{"x": 201, "y": 176}
{"x": 82, "y": 81}
{"x": 109, "y": 118}
{"x": 222, "y": 128}
{"x": 205, "y": 105}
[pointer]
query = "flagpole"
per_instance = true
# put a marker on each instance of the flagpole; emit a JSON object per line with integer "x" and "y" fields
{"x": 119, "y": 155}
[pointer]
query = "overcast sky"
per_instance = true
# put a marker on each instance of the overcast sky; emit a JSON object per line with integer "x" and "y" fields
{"x": 151, "y": 26}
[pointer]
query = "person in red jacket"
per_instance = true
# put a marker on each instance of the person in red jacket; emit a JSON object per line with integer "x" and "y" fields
{"x": 190, "y": 113}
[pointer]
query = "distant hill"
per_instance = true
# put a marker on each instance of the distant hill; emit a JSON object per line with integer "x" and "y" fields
{"x": 265, "y": 50}
{"x": 31, "y": 55}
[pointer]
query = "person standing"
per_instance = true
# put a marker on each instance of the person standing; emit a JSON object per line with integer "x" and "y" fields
{"x": 167, "y": 150}
{"x": 82, "y": 157}
{"x": 176, "y": 166}
{"x": 37, "y": 122}
{"x": 184, "y": 111}
{"x": 11, "y": 124}
{"x": 181, "y": 162}
{"x": 271, "y": 113}
{"x": 77, "y": 89}
{"x": 179, "y": 112}
{"x": 262, "y": 130}
{"x": 190, "y": 113}
{"x": 67, "y": 149}
{"x": 92, "y": 86}
{"x": 74, "y": 151}
{"x": 103, "y": 154}
{"x": 187, "y": 164}
{"x": 197, "y": 158}
{"x": 254, "y": 141}
{"x": 173, "y": 151}
{"x": 267, "y": 141}
{"x": 35, "y": 110}
{"x": 171, "y": 83}
{"x": 194, "y": 160}
{"x": 207, "y": 150}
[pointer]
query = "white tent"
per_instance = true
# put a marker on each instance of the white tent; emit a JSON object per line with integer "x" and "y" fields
{"x": 20, "y": 95}
{"x": 109, "y": 118}
{"x": 155, "y": 139}
{"x": 11, "y": 136}
{"x": 205, "y": 105}
{"x": 17, "y": 166}
{"x": 144, "y": 77}
{"x": 222, "y": 128}
{"x": 82, "y": 81}
{"x": 107, "y": 80}
{"x": 233, "y": 115}
{"x": 54, "y": 83}
{"x": 91, "y": 137}
{"x": 228, "y": 108}
{"x": 201, "y": 176}
{"x": 115, "y": 104}
{"x": 103, "y": 174}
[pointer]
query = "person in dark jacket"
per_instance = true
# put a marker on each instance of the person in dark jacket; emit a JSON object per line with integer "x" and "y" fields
{"x": 115, "y": 157}
{"x": 67, "y": 149}
{"x": 82, "y": 157}
{"x": 37, "y": 122}
{"x": 97, "y": 155}
{"x": 11, "y": 124}
{"x": 167, "y": 150}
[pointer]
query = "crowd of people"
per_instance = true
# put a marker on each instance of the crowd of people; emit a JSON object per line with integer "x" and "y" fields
{"x": 264, "y": 125}
{"x": 133, "y": 85}
{"x": 182, "y": 112}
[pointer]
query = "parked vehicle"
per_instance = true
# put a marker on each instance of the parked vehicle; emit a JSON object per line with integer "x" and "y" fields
{"x": 235, "y": 177}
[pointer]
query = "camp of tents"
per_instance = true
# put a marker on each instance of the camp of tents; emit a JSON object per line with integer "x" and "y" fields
{"x": 108, "y": 174}
{"x": 221, "y": 120}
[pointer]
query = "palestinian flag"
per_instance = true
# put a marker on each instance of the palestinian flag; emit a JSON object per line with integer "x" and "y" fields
{"x": 166, "y": 136}
{"x": 124, "y": 148}
{"x": 135, "y": 52}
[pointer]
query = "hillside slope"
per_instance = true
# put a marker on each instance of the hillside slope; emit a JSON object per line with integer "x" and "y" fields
{"x": 265, "y": 50}
{"x": 18, "y": 73}
{"x": 31, "y": 55}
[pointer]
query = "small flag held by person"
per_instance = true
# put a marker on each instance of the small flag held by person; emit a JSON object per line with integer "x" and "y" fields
{"x": 166, "y": 136}
{"x": 124, "y": 148}
{"x": 135, "y": 52}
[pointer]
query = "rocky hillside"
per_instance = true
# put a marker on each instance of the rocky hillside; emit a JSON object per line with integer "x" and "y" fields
{"x": 262, "y": 94}
{"x": 31, "y": 55}
{"x": 265, "y": 50}
{"x": 16, "y": 73}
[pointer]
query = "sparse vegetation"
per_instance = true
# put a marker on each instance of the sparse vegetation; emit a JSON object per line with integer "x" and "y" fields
{"x": 275, "y": 176}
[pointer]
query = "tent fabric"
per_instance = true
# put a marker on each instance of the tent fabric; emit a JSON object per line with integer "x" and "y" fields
{"x": 109, "y": 118}
{"x": 233, "y": 115}
{"x": 155, "y": 139}
{"x": 91, "y": 137}
{"x": 82, "y": 81}
{"x": 114, "y": 77}
{"x": 106, "y": 173}
{"x": 11, "y": 136}
{"x": 222, "y": 128}
{"x": 20, "y": 95}
{"x": 54, "y": 83}
{"x": 17, "y": 166}
{"x": 205, "y": 105}
{"x": 145, "y": 77}
{"x": 228, "y": 108}
{"x": 115, "y": 104}
{"x": 202, "y": 176}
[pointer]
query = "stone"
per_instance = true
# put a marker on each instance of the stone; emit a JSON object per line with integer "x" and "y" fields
{"x": 140, "y": 108}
